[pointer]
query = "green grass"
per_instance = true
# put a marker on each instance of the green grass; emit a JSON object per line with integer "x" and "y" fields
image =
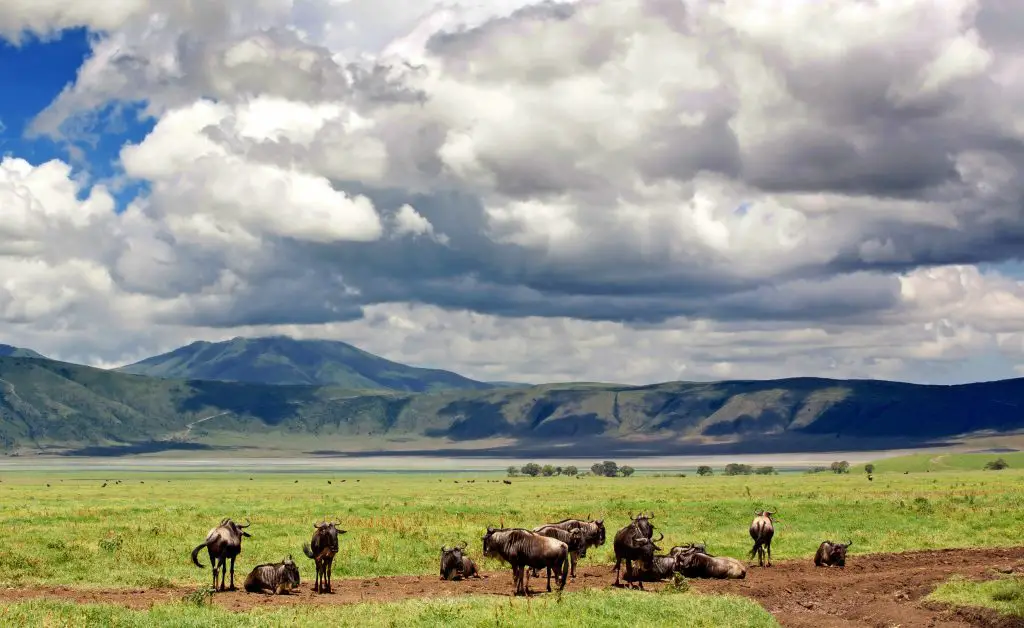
{"x": 1005, "y": 595}
{"x": 920, "y": 463}
{"x": 590, "y": 608}
{"x": 132, "y": 534}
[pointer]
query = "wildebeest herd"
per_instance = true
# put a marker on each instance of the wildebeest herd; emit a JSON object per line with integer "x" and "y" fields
{"x": 554, "y": 547}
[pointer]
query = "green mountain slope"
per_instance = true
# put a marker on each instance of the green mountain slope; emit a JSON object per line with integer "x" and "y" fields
{"x": 7, "y": 351}
{"x": 47, "y": 403}
{"x": 282, "y": 360}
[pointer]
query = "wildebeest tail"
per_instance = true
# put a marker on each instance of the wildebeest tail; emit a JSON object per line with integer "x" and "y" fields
{"x": 307, "y": 551}
{"x": 753, "y": 550}
{"x": 195, "y": 554}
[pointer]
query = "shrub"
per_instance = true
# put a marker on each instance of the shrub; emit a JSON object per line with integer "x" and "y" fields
{"x": 704, "y": 469}
{"x": 996, "y": 465}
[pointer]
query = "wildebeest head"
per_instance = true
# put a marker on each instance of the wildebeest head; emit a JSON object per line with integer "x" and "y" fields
{"x": 327, "y": 532}
{"x": 577, "y": 542}
{"x": 689, "y": 547}
{"x": 600, "y": 531}
{"x": 236, "y": 529}
{"x": 488, "y": 539}
{"x": 836, "y": 553}
{"x": 769, "y": 514}
{"x": 451, "y": 560}
{"x": 291, "y": 572}
{"x": 643, "y": 525}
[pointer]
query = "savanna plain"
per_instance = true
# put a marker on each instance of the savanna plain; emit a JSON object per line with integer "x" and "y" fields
{"x": 112, "y": 548}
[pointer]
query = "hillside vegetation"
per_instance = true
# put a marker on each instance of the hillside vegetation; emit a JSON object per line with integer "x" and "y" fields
{"x": 47, "y": 403}
{"x": 282, "y": 360}
{"x": 7, "y": 351}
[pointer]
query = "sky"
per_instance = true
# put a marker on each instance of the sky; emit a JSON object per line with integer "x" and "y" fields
{"x": 605, "y": 190}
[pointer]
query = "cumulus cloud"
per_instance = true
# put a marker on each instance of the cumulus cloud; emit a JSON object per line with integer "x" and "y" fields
{"x": 628, "y": 190}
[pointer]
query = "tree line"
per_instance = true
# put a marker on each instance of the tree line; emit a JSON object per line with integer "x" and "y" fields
{"x": 608, "y": 469}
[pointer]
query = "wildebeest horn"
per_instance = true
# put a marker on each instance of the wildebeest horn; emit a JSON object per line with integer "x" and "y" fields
{"x": 247, "y": 524}
{"x": 660, "y": 537}
{"x": 444, "y": 549}
{"x": 849, "y": 543}
{"x": 464, "y": 545}
{"x": 758, "y": 513}
{"x": 771, "y": 512}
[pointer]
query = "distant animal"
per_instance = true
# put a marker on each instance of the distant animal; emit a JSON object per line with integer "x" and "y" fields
{"x": 328, "y": 481}
{"x": 871, "y": 479}
{"x": 322, "y": 549}
{"x": 273, "y": 578}
{"x": 507, "y": 481}
{"x": 572, "y": 538}
{"x": 223, "y": 543}
{"x": 523, "y": 549}
{"x": 697, "y": 564}
{"x": 593, "y": 536}
{"x": 635, "y": 542}
{"x": 831, "y": 554}
{"x": 762, "y": 529}
{"x": 455, "y": 565}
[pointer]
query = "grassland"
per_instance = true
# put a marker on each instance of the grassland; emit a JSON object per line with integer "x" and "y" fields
{"x": 1004, "y": 595}
{"x": 932, "y": 462}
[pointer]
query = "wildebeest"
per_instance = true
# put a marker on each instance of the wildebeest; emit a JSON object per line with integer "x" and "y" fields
{"x": 656, "y": 569}
{"x": 593, "y": 536}
{"x": 831, "y": 554}
{"x": 522, "y": 549}
{"x": 635, "y": 542}
{"x": 697, "y": 564}
{"x": 322, "y": 549}
{"x": 572, "y": 538}
{"x": 275, "y": 578}
{"x": 762, "y": 529}
{"x": 223, "y": 543}
{"x": 455, "y": 565}
{"x": 689, "y": 547}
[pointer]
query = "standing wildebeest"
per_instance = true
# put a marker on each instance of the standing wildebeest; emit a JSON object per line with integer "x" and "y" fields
{"x": 455, "y": 565}
{"x": 522, "y": 549}
{"x": 322, "y": 550}
{"x": 831, "y": 554}
{"x": 635, "y": 542}
{"x": 593, "y": 536}
{"x": 223, "y": 543}
{"x": 697, "y": 564}
{"x": 572, "y": 538}
{"x": 274, "y": 578}
{"x": 762, "y": 529}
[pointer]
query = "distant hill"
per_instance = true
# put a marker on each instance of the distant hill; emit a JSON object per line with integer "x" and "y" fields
{"x": 283, "y": 360}
{"x": 7, "y": 351}
{"x": 47, "y": 403}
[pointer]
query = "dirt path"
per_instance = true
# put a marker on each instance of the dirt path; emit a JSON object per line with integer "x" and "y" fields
{"x": 878, "y": 590}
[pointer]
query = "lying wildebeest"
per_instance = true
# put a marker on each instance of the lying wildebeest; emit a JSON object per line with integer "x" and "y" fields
{"x": 223, "y": 543}
{"x": 697, "y": 564}
{"x": 572, "y": 538}
{"x": 635, "y": 542}
{"x": 275, "y": 578}
{"x": 656, "y": 569}
{"x": 522, "y": 549}
{"x": 593, "y": 536}
{"x": 762, "y": 529}
{"x": 456, "y": 565}
{"x": 831, "y": 554}
{"x": 689, "y": 547}
{"x": 322, "y": 549}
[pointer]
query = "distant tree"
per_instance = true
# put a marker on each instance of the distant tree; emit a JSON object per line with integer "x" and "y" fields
{"x": 597, "y": 469}
{"x": 840, "y": 467}
{"x": 570, "y": 470}
{"x": 626, "y": 470}
{"x": 547, "y": 470}
{"x": 610, "y": 469}
{"x": 765, "y": 471}
{"x": 512, "y": 472}
{"x": 559, "y": 470}
{"x": 532, "y": 469}
{"x": 996, "y": 465}
{"x": 704, "y": 470}
{"x": 869, "y": 468}
{"x": 738, "y": 469}
{"x": 818, "y": 469}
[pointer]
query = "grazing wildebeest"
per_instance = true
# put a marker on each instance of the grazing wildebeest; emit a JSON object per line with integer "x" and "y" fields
{"x": 273, "y": 578}
{"x": 322, "y": 549}
{"x": 455, "y": 565}
{"x": 696, "y": 564}
{"x": 593, "y": 536}
{"x": 572, "y": 538}
{"x": 223, "y": 543}
{"x": 522, "y": 549}
{"x": 762, "y": 529}
{"x": 635, "y": 542}
{"x": 831, "y": 554}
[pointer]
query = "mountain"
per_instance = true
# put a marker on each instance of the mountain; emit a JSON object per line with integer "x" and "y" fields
{"x": 283, "y": 360}
{"x": 7, "y": 351}
{"x": 44, "y": 403}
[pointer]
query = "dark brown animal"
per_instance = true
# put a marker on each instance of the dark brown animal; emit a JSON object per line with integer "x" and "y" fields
{"x": 572, "y": 538}
{"x": 657, "y": 569}
{"x": 273, "y": 578}
{"x": 322, "y": 549}
{"x": 831, "y": 554}
{"x": 455, "y": 565}
{"x": 522, "y": 549}
{"x": 593, "y": 536}
{"x": 635, "y": 542}
{"x": 695, "y": 564}
{"x": 762, "y": 529}
{"x": 223, "y": 543}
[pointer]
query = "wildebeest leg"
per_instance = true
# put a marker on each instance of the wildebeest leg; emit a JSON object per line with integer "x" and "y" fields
{"x": 573, "y": 557}
{"x": 330, "y": 568}
{"x": 319, "y": 575}
{"x": 618, "y": 562}
{"x": 213, "y": 568}
{"x": 232, "y": 573}
{"x": 223, "y": 571}
{"x": 549, "y": 578}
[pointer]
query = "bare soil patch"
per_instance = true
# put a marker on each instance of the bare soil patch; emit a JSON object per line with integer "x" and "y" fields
{"x": 876, "y": 590}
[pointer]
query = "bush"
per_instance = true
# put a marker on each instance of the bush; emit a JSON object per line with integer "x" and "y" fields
{"x": 704, "y": 469}
{"x": 869, "y": 468}
{"x": 512, "y": 472}
{"x": 765, "y": 471}
{"x": 996, "y": 465}
{"x": 626, "y": 470}
{"x": 570, "y": 470}
{"x": 532, "y": 469}
{"x": 547, "y": 470}
{"x": 840, "y": 467}
{"x": 738, "y": 469}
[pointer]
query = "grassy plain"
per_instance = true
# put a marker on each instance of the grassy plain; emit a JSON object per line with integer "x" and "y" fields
{"x": 1005, "y": 595}
{"x": 932, "y": 462}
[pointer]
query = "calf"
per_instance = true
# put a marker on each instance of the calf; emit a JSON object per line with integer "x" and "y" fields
{"x": 273, "y": 578}
{"x": 322, "y": 549}
{"x": 222, "y": 543}
{"x": 831, "y": 554}
{"x": 455, "y": 565}
{"x": 762, "y": 529}
{"x": 522, "y": 549}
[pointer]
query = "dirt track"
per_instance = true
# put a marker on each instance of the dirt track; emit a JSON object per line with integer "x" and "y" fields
{"x": 878, "y": 590}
